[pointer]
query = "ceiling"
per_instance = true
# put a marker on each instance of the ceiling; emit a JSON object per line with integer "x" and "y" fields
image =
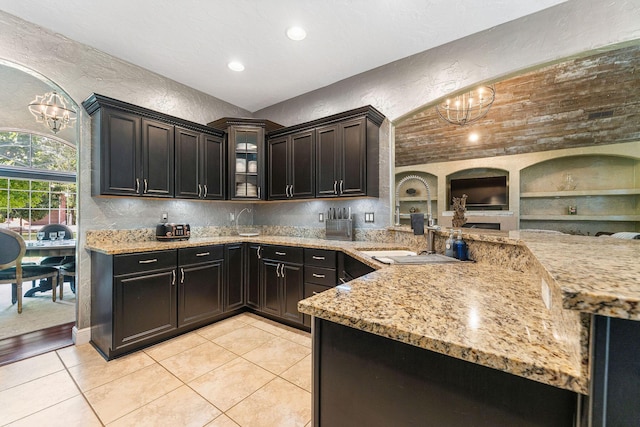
{"x": 191, "y": 41}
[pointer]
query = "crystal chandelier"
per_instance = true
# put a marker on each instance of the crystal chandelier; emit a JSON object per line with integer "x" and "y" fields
{"x": 53, "y": 111}
{"x": 467, "y": 107}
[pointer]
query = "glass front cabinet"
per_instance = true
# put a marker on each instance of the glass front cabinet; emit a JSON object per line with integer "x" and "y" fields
{"x": 246, "y": 162}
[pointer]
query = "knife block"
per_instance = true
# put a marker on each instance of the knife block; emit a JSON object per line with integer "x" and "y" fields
{"x": 339, "y": 229}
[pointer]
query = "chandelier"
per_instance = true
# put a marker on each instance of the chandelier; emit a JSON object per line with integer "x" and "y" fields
{"x": 53, "y": 111}
{"x": 467, "y": 107}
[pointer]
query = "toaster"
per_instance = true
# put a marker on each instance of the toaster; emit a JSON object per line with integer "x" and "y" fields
{"x": 170, "y": 231}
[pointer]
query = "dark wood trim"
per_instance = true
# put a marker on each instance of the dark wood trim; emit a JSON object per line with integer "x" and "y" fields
{"x": 367, "y": 111}
{"x": 94, "y": 102}
{"x": 35, "y": 343}
{"x": 227, "y": 122}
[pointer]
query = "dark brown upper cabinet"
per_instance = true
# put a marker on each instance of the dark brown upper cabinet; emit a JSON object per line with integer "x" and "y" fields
{"x": 246, "y": 152}
{"x": 344, "y": 157}
{"x": 200, "y": 165}
{"x": 291, "y": 166}
{"x": 134, "y": 151}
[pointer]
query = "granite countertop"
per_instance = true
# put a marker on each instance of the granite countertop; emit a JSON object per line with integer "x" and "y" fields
{"x": 492, "y": 317}
{"x": 473, "y": 311}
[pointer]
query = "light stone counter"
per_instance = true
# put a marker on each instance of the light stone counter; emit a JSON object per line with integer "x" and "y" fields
{"x": 487, "y": 312}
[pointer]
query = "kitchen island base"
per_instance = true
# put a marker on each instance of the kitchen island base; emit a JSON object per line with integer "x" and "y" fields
{"x": 362, "y": 379}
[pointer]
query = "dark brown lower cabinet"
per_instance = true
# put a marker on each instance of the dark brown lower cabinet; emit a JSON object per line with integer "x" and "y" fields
{"x": 133, "y": 300}
{"x": 282, "y": 288}
{"x": 234, "y": 259}
{"x": 201, "y": 274}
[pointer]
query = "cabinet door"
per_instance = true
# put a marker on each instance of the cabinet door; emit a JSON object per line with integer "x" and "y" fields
{"x": 157, "y": 159}
{"x": 213, "y": 171}
{"x": 278, "y": 161}
{"x": 145, "y": 307}
{"x": 246, "y": 163}
{"x": 353, "y": 158}
{"x": 119, "y": 153}
{"x": 327, "y": 165}
{"x": 234, "y": 277}
{"x": 293, "y": 291}
{"x": 200, "y": 295}
{"x": 270, "y": 273}
{"x": 187, "y": 164}
{"x": 302, "y": 169}
{"x": 253, "y": 278}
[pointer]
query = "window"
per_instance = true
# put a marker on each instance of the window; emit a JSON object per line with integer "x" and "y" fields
{"x": 37, "y": 182}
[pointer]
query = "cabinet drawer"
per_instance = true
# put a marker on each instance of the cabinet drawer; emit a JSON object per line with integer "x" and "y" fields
{"x": 320, "y": 258}
{"x": 145, "y": 261}
{"x": 311, "y": 289}
{"x": 320, "y": 276}
{"x": 200, "y": 254}
{"x": 283, "y": 253}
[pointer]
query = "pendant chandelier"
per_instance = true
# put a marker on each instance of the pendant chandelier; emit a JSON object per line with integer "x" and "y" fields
{"x": 467, "y": 107}
{"x": 53, "y": 111}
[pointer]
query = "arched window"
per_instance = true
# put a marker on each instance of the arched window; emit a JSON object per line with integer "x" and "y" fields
{"x": 37, "y": 181}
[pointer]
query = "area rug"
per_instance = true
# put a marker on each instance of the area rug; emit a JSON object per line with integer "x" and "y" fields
{"x": 38, "y": 312}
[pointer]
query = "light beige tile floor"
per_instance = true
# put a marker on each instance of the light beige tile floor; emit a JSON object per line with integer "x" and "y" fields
{"x": 244, "y": 371}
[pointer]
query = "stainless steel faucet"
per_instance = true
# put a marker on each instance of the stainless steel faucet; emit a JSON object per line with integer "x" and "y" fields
{"x": 238, "y": 217}
{"x": 430, "y": 224}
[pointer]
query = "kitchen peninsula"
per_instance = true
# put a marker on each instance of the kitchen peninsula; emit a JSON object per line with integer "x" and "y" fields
{"x": 401, "y": 323}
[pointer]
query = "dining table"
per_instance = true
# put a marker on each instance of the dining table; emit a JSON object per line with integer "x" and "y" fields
{"x": 47, "y": 248}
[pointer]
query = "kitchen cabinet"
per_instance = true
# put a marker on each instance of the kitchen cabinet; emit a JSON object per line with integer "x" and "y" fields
{"x": 347, "y": 158}
{"x": 234, "y": 291}
{"x": 245, "y": 139}
{"x": 134, "y": 152}
{"x": 253, "y": 279}
{"x": 133, "y": 300}
{"x": 291, "y": 166}
{"x": 320, "y": 274}
{"x": 200, "y": 282}
{"x": 200, "y": 165}
{"x": 282, "y": 282}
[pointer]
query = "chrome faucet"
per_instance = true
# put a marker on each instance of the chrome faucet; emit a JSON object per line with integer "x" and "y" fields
{"x": 430, "y": 223}
{"x": 238, "y": 217}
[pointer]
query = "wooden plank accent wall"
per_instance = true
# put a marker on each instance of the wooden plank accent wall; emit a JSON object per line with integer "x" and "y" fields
{"x": 582, "y": 102}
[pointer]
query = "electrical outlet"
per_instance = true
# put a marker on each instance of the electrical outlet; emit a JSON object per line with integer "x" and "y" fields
{"x": 232, "y": 216}
{"x": 165, "y": 217}
{"x": 321, "y": 217}
{"x": 368, "y": 217}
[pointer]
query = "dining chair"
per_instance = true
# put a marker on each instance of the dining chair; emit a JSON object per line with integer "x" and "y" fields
{"x": 12, "y": 250}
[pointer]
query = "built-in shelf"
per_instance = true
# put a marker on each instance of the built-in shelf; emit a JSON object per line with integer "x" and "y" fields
{"x": 546, "y": 217}
{"x": 408, "y": 215}
{"x": 416, "y": 199}
{"x": 577, "y": 193}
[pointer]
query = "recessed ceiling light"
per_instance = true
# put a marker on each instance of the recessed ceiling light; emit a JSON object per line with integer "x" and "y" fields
{"x": 296, "y": 33}
{"x": 474, "y": 137}
{"x": 235, "y": 66}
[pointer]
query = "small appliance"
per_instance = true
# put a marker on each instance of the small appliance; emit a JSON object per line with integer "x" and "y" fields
{"x": 170, "y": 231}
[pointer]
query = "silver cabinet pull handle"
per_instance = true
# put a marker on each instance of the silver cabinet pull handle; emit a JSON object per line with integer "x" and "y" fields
{"x": 259, "y": 193}
{"x": 286, "y": 191}
{"x": 341, "y": 186}
{"x": 203, "y": 254}
{"x": 258, "y": 252}
{"x": 342, "y": 280}
{"x": 146, "y": 186}
{"x": 315, "y": 293}
{"x": 148, "y": 261}
{"x": 335, "y": 187}
{"x": 181, "y": 275}
{"x": 318, "y": 257}
{"x": 282, "y": 270}
{"x": 173, "y": 281}
{"x": 278, "y": 270}
{"x": 199, "y": 191}
{"x": 206, "y": 190}
{"x": 319, "y": 276}
{"x": 281, "y": 253}
{"x": 137, "y": 185}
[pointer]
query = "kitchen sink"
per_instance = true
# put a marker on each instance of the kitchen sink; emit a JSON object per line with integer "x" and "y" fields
{"x": 408, "y": 257}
